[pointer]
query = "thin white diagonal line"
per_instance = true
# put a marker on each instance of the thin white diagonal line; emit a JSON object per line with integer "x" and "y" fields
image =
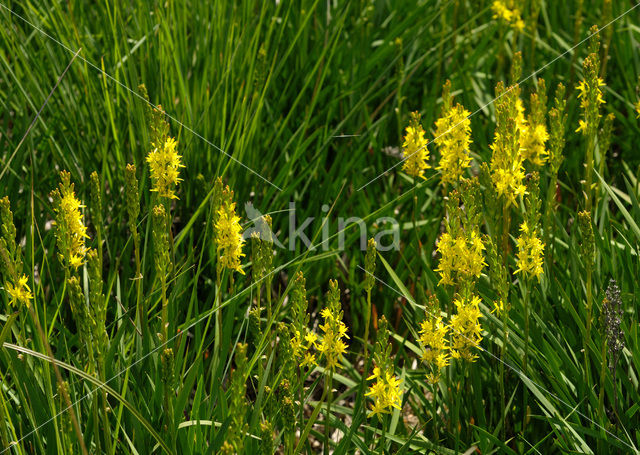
{"x": 107, "y": 75}
{"x": 517, "y": 371}
{"x": 502, "y": 94}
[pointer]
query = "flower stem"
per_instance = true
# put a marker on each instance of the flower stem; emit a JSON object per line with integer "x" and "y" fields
{"x": 587, "y": 370}
{"x": 367, "y": 323}
{"x": 525, "y": 404}
{"x": 329, "y": 393}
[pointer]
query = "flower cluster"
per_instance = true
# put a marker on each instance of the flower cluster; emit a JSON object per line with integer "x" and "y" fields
{"x": 453, "y": 136}
{"x": 532, "y": 144}
{"x": 302, "y": 347}
{"x": 164, "y": 164}
{"x": 433, "y": 340}
{"x": 508, "y": 13}
{"x": 331, "y": 346}
{"x": 16, "y": 284}
{"x": 530, "y": 252}
{"x": 507, "y": 170}
{"x": 465, "y": 328}
{"x": 530, "y": 247}
{"x": 415, "y": 149}
{"x": 461, "y": 257}
{"x": 19, "y": 292}
{"x": 590, "y": 96}
{"x": 70, "y": 229}
{"x": 386, "y": 390}
{"x": 229, "y": 239}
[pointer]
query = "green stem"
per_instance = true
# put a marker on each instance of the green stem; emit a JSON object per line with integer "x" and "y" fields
{"x": 383, "y": 436}
{"x": 603, "y": 377}
{"x": 587, "y": 337}
{"x": 4, "y": 437}
{"x": 415, "y": 211}
{"x": 142, "y": 320}
{"x": 525, "y": 404}
{"x": 329, "y": 392}
{"x": 548, "y": 219}
{"x": 269, "y": 314}
{"x": 506, "y": 221}
{"x": 503, "y": 357}
{"x": 434, "y": 411}
{"x": 367, "y": 322}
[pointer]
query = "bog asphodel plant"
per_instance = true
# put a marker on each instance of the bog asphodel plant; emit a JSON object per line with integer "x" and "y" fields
{"x": 164, "y": 165}
{"x": 229, "y": 239}
{"x": 414, "y": 148}
{"x": 535, "y": 135}
{"x": 530, "y": 246}
{"x": 304, "y": 340}
{"x": 16, "y": 284}
{"x": 507, "y": 170}
{"x": 453, "y": 137}
{"x": 332, "y": 346}
{"x": 433, "y": 336}
{"x": 460, "y": 247}
{"x": 70, "y": 229}
{"x": 466, "y": 330}
{"x": 385, "y": 391}
{"x": 508, "y": 12}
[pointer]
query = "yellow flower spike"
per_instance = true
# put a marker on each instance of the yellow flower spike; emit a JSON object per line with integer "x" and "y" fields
{"x": 453, "y": 136}
{"x": 70, "y": 229}
{"x": 331, "y": 346}
{"x": 385, "y": 391}
{"x": 530, "y": 252}
{"x": 20, "y": 292}
{"x": 532, "y": 144}
{"x": 466, "y": 328}
{"x": 460, "y": 257}
{"x": 164, "y": 164}
{"x": 415, "y": 149}
{"x": 229, "y": 239}
{"x": 508, "y": 13}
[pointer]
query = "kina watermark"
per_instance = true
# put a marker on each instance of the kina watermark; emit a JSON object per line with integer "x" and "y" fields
{"x": 334, "y": 233}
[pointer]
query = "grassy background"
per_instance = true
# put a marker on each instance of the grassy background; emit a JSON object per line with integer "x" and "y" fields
{"x": 274, "y": 86}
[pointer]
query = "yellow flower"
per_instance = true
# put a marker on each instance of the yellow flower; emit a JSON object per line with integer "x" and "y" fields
{"x": 70, "y": 229}
{"x": 433, "y": 341}
{"x": 19, "y": 293}
{"x": 331, "y": 346}
{"x": 510, "y": 15}
{"x": 530, "y": 252}
{"x": 309, "y": 360}
{"x": 507, "y": 170}
{"x": 302, "y": 347}
{"x": 385, "y": 391}
{"x": 466, "y": 329}
{"x": 164, "y": 164}
{"x": 453, "y": 136}
{"x": 638, "y": 108}
{"x": 532, "y": 144}
{"x": 590, "y": 101}
{"x": 433, "y": 338}
{"x": 229, "y": 239}
{"x": 498, "y": 307}
{"x": 415, "y": 151}
{"x": 461, "y": 257}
